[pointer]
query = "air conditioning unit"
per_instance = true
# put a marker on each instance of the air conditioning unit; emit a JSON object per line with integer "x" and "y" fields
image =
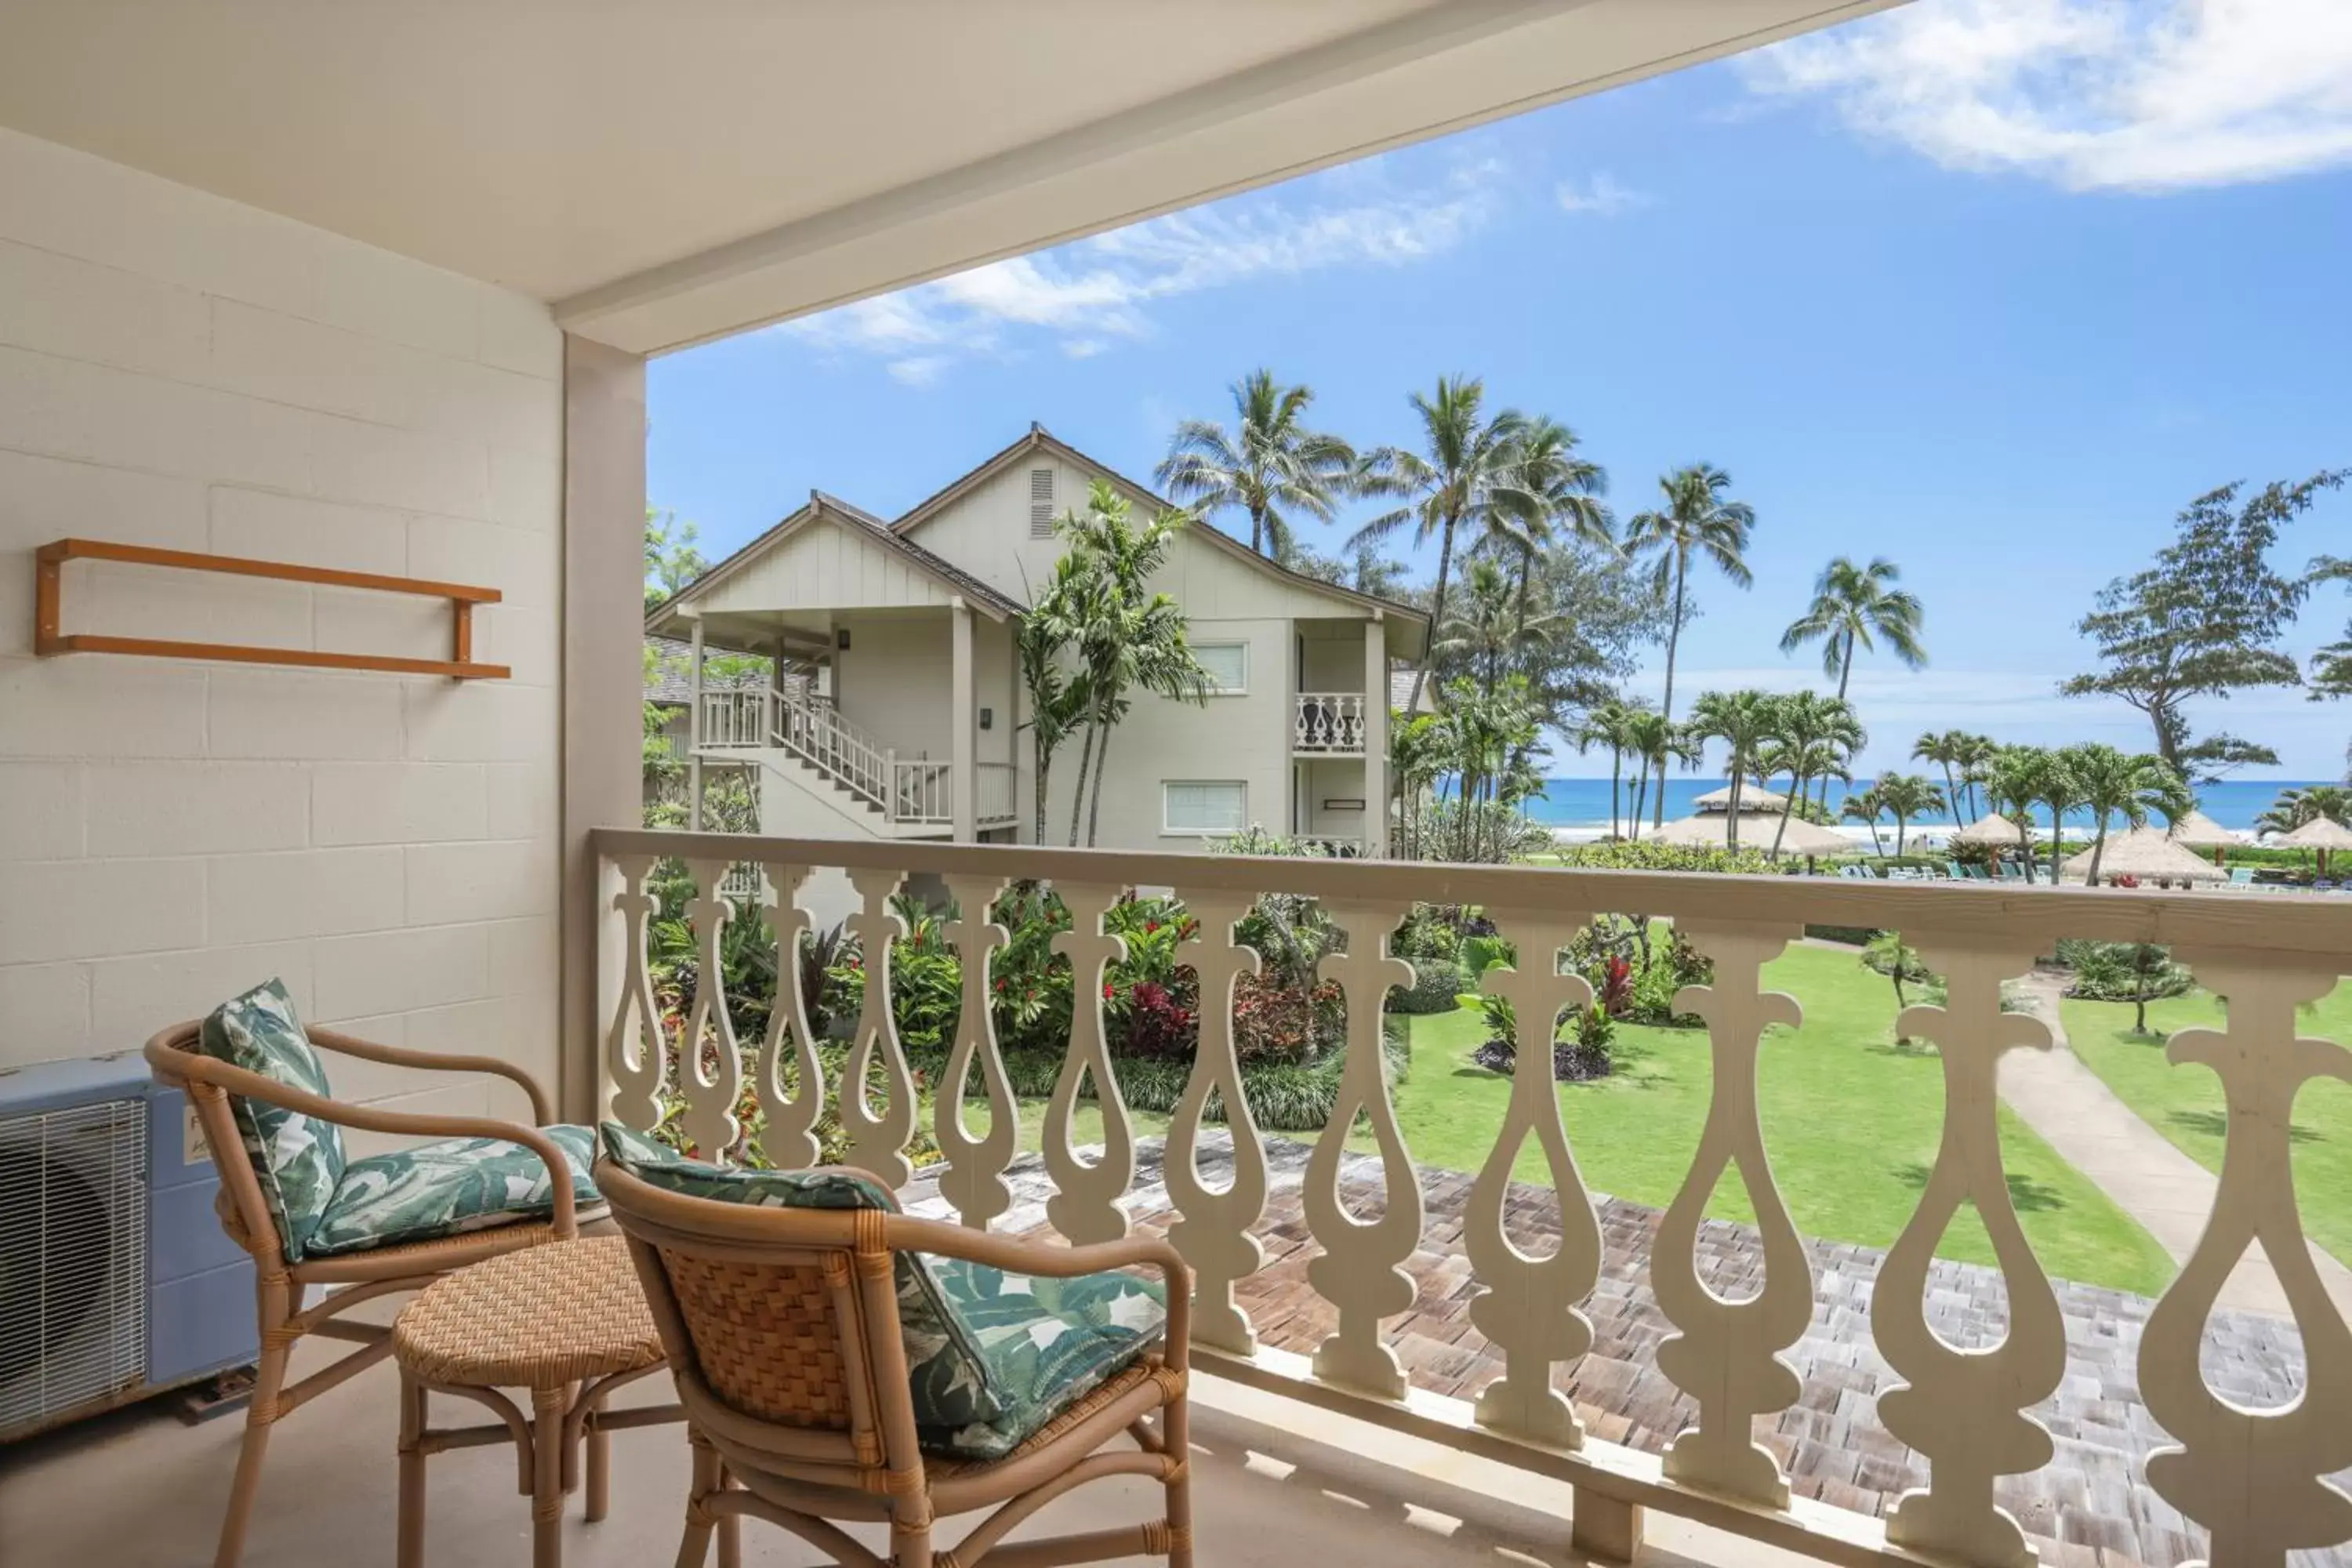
{"x": 116, "y": 1281}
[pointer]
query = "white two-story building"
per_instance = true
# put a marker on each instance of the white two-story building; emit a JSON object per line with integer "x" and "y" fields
{"x": 899, "y": 708}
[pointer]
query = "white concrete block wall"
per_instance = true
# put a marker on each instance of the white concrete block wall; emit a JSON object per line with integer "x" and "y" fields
{"x": 179, "y": 370}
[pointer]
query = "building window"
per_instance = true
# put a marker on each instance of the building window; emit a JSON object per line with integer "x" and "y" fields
{"x": 1216, "y": 806}
{"x": 1227, "y": 664}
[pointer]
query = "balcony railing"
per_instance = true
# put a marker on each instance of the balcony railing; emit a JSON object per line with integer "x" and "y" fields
{"x": 994, "y": 803}
{"x": 1328, "y": 721}
{"x": 2252, "y": 1477}
{"x": 738, "y": 717}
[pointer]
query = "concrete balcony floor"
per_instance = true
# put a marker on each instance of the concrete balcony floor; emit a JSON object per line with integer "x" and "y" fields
{"x": 140, "y": 1489}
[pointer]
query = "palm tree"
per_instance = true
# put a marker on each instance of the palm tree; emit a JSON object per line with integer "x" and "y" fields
{"x": 1607, "y": 726}
{"x": 1744, "y": 721}
{"x": 1483, "y": 630}
{"x": 1905, "y": 796}
{"x": 1802, "y": 760}
{"x": 1416, "y": 760}
{"x": 2013, "y": 786}
{"x": 1553, "y": 490}
{"x": 1058, "y": 699}
{"x": 1127, "y": 638}
{"x": 1866, "y": 806}
{"x": 2296, "y": 806}
{"x": 2108, "y": 781}
{"x": 1655, "y": 742}
{"x": 1268, "y": 465}
{"x": 1852, "y": 607}
{"x": 1696, "y": 520}
{"x": 1819, "y": 734}
{"x": 1471, "y": 461}
{"x": 2062, "y": 792}
{"x": 1946, "y": 750}
{"x": 1973, "y": 755}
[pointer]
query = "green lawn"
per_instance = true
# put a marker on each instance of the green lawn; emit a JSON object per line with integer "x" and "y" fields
{"x": 2184, "y": 1103}
{"x": 1851, "y": 1122}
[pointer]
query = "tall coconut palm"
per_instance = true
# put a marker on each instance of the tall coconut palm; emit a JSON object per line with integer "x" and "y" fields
{"x": 1697, "y": 519}
{"x": 1471, "y": 459}
{"x": 1269, "y": 466}
{"x": 2062, "y": 792}
{"x": 2110, "y": 782}
{"x": 1946, "y": 751}
{"x": 1554, "y": 491}
{"x": 1607, "y": 726}
{"x": 1974, "y": 757}
{"x": 1744, "y": 721}
{"x": 1905, "y": 796}
{"x": 1853, "y": 608}
{"x": 1802, "y": 760}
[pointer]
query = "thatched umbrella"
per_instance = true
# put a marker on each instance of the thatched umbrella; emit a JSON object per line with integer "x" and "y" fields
{"x": 1757, "y": 800}
{"x": 2149, "y": 854}
{"x": 2322, "y": 834}
{"x": 1991, "y": 828}
{"x": 1711, "y": 830}
{"x": 2200, "y": 831}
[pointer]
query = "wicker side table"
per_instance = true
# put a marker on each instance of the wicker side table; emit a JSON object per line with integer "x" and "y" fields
{"x": 567, "y": 1322}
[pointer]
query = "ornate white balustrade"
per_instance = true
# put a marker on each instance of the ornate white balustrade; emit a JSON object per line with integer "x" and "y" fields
{"x": 2255, "y": 1480}
{"x": 1328, "y": 721}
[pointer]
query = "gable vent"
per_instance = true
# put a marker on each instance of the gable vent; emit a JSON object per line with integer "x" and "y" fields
{"x": 1041, "y": 503}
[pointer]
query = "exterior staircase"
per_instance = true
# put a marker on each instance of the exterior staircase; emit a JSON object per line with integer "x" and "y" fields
{"x": 809, "y": 755}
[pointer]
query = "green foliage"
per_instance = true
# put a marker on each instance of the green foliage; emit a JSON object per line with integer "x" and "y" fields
{"x": 2204, "y": 621}
{"x": 1648, "y": 854}
{"x": 671, "y": 559}
{"x": 1481, "y": 952}
{"x": 1438, "y": 985}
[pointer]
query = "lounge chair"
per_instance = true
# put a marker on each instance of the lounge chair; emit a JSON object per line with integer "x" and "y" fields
{"x": 2242, "y": 876}
{"x": 839, "y": 1361}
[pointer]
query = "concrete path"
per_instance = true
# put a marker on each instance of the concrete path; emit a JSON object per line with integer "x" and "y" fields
{"x": 2132, "y": 1162}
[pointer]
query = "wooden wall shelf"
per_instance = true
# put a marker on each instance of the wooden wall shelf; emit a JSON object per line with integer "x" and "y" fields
{"x": 50, "y": 637}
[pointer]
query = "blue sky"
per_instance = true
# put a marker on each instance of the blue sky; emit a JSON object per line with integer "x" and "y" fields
{"x": 1991, "y": 286}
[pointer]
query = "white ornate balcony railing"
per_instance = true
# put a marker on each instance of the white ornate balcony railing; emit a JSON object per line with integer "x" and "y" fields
{"x": 1330, "y": 721}
{"x": 2254, "y": 1479}
{"x": 993, "y": 804}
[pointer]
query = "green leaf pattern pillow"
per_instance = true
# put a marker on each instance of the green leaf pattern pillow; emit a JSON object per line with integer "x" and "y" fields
{"x": 297, "y": 1159}
{"x": 448, "y": 1188}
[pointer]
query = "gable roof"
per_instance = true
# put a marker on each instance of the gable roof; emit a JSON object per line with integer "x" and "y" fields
{"x": 832, "y": 509}
{"x": 1040, "y": 439}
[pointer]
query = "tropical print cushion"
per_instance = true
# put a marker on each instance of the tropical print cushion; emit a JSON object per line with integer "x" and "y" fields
{"x": 447, "y": 1188}
{"x": 297, "y": 1159}
{"x": 1044, "y": 1345}
{"x": 944, "y": 1371}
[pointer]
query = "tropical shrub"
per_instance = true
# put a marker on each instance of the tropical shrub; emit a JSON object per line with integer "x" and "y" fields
{"x": 1438, "y": 985}
{"x": 1581, "y": 1040}
{"x": 1648, "y": 854}
{"x": 2134, "y": 972}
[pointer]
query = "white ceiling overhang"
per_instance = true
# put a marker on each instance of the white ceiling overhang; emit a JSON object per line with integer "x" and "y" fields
{"x": 665, "y": 172}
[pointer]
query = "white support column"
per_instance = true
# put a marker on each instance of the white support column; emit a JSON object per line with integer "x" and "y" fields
{"x": 1376, "y": 734}
{"x": 604, "y": 687}
{"x": 694, "y": 736}
{"x": 963, "y": 718}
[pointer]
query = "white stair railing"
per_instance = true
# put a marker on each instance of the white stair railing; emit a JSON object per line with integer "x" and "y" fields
{"x": 2255, "y": 1478}
{"x": 821, "y": 737}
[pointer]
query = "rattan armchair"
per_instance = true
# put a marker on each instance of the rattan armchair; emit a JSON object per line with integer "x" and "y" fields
{"x": 281, "y": 1286}
{"x": 782, "y": 1328}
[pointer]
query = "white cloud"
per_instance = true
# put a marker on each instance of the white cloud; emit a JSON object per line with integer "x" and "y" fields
{"x": 2144, "y": 95}
{"x": 1093, "y": 294}
{"x": 919, "y": 370}
{"x": 1601, "y": 196}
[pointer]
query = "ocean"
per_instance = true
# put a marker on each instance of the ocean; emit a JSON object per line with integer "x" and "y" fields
{"x": 1584, "y": 803}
